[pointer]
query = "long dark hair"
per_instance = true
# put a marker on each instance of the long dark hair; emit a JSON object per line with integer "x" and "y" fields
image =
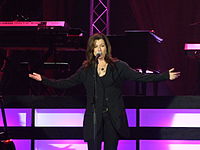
{"x": 90, "y": 59}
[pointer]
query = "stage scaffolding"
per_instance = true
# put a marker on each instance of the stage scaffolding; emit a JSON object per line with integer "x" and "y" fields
{"x": 99, "y": 16}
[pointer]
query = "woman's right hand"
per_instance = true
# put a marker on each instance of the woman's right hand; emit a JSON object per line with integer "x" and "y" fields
{"x": 35, "y": 76}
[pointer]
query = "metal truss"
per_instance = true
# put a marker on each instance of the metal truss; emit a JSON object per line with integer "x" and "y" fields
{"x": 99, "y": 16}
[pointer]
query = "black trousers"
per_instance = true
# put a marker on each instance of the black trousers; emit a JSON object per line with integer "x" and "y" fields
{"x": 109, "y": 134}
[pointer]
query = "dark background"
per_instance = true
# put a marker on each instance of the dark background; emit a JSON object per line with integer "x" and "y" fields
{"x": 171, "y": 20}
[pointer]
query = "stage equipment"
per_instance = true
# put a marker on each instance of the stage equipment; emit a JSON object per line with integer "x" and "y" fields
{"x": 37, "y": 35}
{"x": 99, "y": 18}
{"x": 192, "y": 49}
{"x": 136, "y": 47}
{"x": 39, "y": 44}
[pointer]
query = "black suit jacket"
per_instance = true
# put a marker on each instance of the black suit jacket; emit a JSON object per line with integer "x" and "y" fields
{"x": 110, "y": 92}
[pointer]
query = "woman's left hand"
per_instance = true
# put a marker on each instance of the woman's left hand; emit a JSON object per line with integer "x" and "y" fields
{"x": 173, "y": 75}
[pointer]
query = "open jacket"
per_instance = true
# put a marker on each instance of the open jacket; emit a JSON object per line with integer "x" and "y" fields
{"x": 110, "y": 92}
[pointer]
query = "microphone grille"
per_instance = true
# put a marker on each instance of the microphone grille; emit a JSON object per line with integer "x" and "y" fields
{"x": 98, "y": 53}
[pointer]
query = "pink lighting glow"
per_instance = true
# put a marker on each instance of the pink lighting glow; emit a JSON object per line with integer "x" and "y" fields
{"x": 53, "y": 117}
{"x": 22, "y": 144}
{"x": 184, "y": 146}
{"x": 192, "y": 46}
{"x": 74, "y": 117}
{"x": 131, "y": 116}
{"x": 77, "y": 145}
{"x": 186, "y": 120}
{"x": 60, "y": 144}
{"x": 70, "y": 117}
{"x": 59, "y": 117}
{"x": 31, "y": 23}
{"x": 17, "y": 117}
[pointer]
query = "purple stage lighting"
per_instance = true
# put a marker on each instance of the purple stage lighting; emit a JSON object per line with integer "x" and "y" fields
{"x": 59, "y": 117}
{"x": 22, "y": 144}
{"x": 69, "y": 117}
{"x": 17, "y": 117}
{"x": 77, "y": 145}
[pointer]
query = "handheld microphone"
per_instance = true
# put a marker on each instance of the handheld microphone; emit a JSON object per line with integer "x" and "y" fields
{"x": 98, "y": 54}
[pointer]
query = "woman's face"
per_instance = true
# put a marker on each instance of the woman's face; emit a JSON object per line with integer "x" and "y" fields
{"x": 100, "y": 47}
